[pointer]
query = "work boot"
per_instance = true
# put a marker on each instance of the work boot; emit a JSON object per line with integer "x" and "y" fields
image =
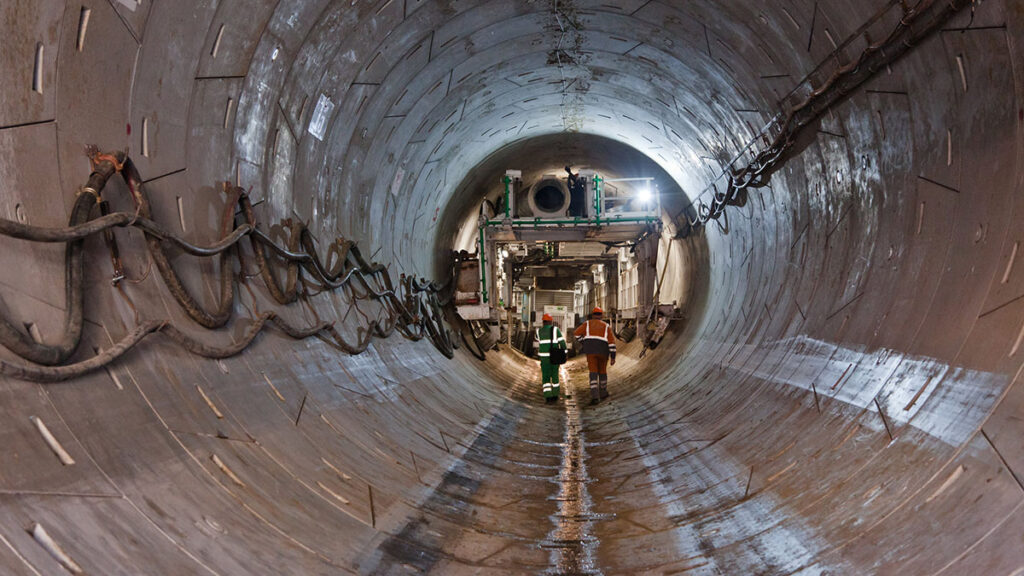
{"x": 594, "y": 401}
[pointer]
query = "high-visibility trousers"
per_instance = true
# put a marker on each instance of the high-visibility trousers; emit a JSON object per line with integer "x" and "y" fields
{"x": 597, "y": 363}
{"x": 549, "y": 378}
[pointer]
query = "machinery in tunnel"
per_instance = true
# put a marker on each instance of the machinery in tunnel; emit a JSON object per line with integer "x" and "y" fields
{"x": 229, "y": 328}
{"x": 535, "y": 245}
{"x": 584, "y": 199}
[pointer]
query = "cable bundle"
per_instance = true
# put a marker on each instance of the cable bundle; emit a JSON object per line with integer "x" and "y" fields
{"x": 416, "y": 313}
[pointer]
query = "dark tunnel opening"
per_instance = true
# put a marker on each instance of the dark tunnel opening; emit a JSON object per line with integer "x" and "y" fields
{"x": 266, "y": 374}
{"x": 549, "y": 198}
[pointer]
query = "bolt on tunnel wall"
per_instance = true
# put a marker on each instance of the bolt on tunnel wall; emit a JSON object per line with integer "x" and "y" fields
{"x": 841, "y": 395}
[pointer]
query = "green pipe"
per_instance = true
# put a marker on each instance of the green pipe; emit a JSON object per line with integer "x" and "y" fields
{"x": 483, "y": 266}
{"x": 575, "y": 221}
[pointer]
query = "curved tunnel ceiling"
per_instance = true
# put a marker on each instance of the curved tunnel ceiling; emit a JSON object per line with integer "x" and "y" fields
{"x": 843, "y": 396}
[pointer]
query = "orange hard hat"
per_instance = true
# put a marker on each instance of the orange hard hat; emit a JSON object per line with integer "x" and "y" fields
{"x": 597, "y": 310}
{"x": 547, "y": 318}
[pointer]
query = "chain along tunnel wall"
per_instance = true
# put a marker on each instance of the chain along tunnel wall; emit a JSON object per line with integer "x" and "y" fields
{"x": 843, "y": 397}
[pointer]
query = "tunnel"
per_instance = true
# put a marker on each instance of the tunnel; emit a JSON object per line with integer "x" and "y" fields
{"x": 840, "y": 395}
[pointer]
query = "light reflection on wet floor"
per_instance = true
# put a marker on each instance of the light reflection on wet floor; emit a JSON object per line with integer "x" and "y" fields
{"x": 572, "y": 542}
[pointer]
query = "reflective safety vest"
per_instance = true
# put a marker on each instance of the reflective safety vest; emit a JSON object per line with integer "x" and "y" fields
{"x": 596, "y": 337}
{"x": 548, "y": 337}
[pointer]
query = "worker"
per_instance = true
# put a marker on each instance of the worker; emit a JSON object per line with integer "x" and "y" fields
{"x": 548, "y": 337}
{"x": 598, "y": 342}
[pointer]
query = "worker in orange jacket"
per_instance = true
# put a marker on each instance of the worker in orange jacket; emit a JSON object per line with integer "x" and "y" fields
{"x": 598, "y": 342}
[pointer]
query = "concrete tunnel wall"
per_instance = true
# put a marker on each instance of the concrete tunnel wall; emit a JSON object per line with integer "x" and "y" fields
{"x": 845, "y": 398}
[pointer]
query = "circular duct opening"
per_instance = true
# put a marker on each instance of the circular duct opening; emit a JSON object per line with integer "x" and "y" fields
{"x": 549, "y": 196}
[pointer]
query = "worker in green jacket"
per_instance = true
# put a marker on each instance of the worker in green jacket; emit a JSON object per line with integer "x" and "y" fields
{"x": 548, "y": 337}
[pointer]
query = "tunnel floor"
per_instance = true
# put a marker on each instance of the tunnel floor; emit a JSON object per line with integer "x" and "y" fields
{"x": 559, "y": 489}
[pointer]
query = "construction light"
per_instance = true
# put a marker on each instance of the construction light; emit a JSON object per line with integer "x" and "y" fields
{"x": 645, "y": 195}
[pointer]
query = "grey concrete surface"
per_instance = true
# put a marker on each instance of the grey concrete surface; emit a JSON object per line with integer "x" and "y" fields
{"x": 844, "y": 398}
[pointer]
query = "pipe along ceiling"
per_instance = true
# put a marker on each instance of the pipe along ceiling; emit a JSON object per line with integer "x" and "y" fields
{"x": 842, "y": 398}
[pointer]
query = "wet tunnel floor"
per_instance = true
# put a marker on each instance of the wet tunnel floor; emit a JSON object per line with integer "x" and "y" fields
{"x": 565, "y": 489}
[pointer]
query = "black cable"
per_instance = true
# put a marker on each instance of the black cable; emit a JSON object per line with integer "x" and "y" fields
{"x": 300, "y": 255}
{"x": 908, "y": 32}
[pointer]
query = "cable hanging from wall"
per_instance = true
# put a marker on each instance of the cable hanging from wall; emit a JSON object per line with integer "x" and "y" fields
{"x": 914, "y": 26}
{"x": 413, "y": 308}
